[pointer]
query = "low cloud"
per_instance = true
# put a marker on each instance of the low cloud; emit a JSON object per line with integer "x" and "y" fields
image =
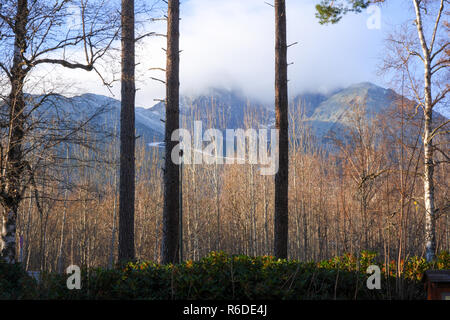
{"x": 230, "y": 44}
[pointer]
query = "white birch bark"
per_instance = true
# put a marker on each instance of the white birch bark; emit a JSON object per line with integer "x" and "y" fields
{"x": 428, "y": 182}
{"x": 8, "y": 238}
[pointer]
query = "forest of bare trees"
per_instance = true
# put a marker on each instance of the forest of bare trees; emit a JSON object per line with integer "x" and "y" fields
{"x": 69, "y": 197}
{"x": 366, "y": 196}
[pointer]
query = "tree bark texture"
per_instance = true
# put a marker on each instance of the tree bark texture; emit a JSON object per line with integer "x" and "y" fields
{"x": 281, "y": 111}
{"x": 127, "y": 136}
{"x": 171, "y": 170}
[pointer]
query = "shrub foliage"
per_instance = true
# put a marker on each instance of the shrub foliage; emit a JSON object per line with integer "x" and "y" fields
{"x": 220, "y": 276}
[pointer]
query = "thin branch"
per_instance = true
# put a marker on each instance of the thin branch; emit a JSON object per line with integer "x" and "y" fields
{"x": 436, "y": 25}
{"x": 67, "y": 64}
{"x": 156, "y": 79}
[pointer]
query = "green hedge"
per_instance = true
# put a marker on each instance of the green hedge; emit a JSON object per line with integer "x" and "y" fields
{"x": 15, "y": 282}
{"x": 221, "y": 277}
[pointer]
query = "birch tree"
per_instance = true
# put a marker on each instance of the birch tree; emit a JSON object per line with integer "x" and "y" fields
{"x": 35, "y": 33}
{"x": 435, "y": 59}
{"x": 429, "y": 46}
{"x": 127, "y": 136}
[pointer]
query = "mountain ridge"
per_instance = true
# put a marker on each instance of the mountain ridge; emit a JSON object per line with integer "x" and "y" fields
{"x": 230, "y": 109}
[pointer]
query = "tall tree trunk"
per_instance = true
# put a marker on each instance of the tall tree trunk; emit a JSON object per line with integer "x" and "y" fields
{"x": 14, "y": 164}
{"x": 281, "y": 110}
{"x": 127, "y": 136}
{"x": 428, "y": 182}
{"x": 171, "y": 170}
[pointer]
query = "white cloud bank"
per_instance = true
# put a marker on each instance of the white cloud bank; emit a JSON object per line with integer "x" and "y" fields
{"x": 230, "y": 43}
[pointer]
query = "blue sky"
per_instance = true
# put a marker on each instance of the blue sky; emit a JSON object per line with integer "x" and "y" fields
{"x": 230, "y": 44}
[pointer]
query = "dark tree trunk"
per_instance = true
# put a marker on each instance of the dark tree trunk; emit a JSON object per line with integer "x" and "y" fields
{"x": 127, "y": 136}
{"x": 281, "y": 110}
{"x": 15, "y": 165}
{"x": 171, "y": 170}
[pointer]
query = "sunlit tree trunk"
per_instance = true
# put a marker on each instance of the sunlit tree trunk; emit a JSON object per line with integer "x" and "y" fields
{"x": 428, "y": 182}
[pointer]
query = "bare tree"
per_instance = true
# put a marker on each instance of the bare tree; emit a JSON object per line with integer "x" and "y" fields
{"x": 430, "y": 46}
{"x": 359, "y": 150}
{"x": 171, "y": 170}
{"x": 33, "y": 32}
{"x": 281, "y": 110}
{"x": 433, "y": 61}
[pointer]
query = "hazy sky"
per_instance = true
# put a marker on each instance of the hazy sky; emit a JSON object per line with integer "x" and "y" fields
{"x": 230, "y": 43}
